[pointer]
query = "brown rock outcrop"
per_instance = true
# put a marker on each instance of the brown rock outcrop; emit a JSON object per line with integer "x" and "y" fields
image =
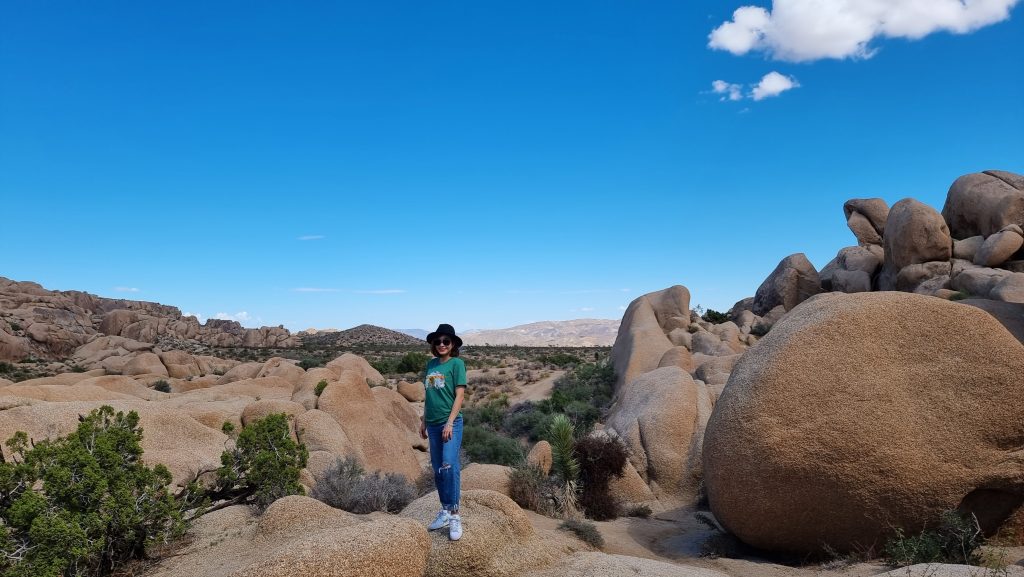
{"x": 642, "y": 342}
{"x": 915, "y": 234}
{"x": 866, "y": 218}
{"x": 660, "y": 417}
{"x": 793, "y": 281}
{"x": 983, "y": 203}
{"x": 145, "y": 364}
{"x": 843, "y": 424}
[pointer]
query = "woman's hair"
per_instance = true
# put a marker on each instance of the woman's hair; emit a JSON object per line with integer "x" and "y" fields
{"x": 454, "y": 350}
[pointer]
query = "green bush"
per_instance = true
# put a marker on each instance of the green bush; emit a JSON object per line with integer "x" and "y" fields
{"x": 83, "y": 504}
{"x": 560, "y": 360}
{"x": 642, "y": 511}
{"x": 309, "y": 363}
{"x": 586, "y": 392}
{"x": 347, "y": 486}
{"x": 527, "y": 419}
{"x": 714, "y": 317}
{"x": 412, "y": 362}
{"x": 483, "y": 445}
{"x": 320, "y": 386}
{"x": 6, "y": 368}
{"x": 585, "y": 530}
{"x": 490, "y": 414}
{"x": 563, "y": 459}
{"x": 162, "y": 386}
{"x": 15, "y": 327}
{"x": 263, "y": 466}
{"x": 956, "y": 539}
{"x": 526, "y": 485}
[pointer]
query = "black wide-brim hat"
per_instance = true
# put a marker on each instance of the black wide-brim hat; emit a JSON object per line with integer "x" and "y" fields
{"x": 445, "y": 330}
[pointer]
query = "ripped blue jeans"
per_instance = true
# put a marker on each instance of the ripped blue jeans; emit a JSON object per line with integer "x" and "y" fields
{"x": 444, "y": 459}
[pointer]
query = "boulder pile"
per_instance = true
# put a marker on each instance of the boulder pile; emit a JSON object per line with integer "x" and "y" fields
{"x": 35, "y": 322}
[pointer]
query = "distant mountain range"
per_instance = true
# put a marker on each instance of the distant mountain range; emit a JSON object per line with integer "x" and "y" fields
{"x": 360, "y": 335}
{"x": 575, "y": 333}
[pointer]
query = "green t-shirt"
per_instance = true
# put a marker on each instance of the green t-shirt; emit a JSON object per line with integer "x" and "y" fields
{"x": 440, "y": 384}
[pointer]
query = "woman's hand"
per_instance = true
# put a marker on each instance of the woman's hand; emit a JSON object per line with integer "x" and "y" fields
{"x": 446, "y": 432}
{"x": 423, "y": 429}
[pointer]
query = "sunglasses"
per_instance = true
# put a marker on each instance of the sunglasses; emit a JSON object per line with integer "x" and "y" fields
{"x": 445, "y": 341}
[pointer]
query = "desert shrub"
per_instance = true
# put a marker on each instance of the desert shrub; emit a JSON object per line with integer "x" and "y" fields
{"x": 714, "y": 317}
{"x": 162, "y": 386}
{"x": 585, "y": 530}
{"x": 600, "y": 459}
{"x": 527, "y": 419}
{"x": 6, "y": 368}
{"x": 263, "y": 466}
{"x": 560, "y": 360}
{"x": 83, "y": 504}
{"x": 320, "y": 386}
{"x": 412, "y": 362}
{"x": 491, "y": 413}
{"x": 956, "y": 539}
{"x": 588, "y": 385}
{"x": 309, "y": 363}
{"x": 15, "y": 327}
{"x": 642, "y": 511}
{"x": 77, "y": 369}
{"x": 526, "y": 485}
{"x": 483, "y": 445}
{"x": 347, "y": 486}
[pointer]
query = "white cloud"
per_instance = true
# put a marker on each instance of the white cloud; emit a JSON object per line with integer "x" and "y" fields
{"x": 801, "y": 30}
{"x": 126, "y": 289}
{"x": 773, "y": 84}
{"x": 315, "y": 290}
{"x": 198, "y": 316}
{"x": 727, "y": 90}
{"x": 312, "y": 237}
{"x": 240, "y": 316}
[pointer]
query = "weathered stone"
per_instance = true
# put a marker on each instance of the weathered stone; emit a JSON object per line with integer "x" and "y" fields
{"x": 968, "y": 247}
{"x": 983, "y": 203}
{"x": 851, "y": 281}
{"x": 999, "y": 247}
{"x": 642, "y": 342}
{"x": 792, "y": 282}
{"x": 800, "y": 449}
{"x": 915, "y": 234}
{"x": 866, "y": 217}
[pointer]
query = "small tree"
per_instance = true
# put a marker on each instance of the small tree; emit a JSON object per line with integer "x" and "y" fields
{"x": 83, "y": 504}
{"x": 263, "y": 466}
{"x": 563, "y": 461}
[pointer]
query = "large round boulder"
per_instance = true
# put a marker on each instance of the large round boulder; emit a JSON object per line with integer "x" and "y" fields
{"x": 860, "y": 414}
{"x": 983, "y": 203}
{"x": 915, "y": 233}
{"x": 792, "y": 282}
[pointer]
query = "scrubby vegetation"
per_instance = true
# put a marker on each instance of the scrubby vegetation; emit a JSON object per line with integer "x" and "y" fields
{"x": 263, "y": 466}
{"x": 161, "y": 386}
{"x": 347, "y": 486}
{"x": 320, "y": 386}
{"x": 585, "y": 530}
{"x": 83, "y": 504}
{"x": 600, "y": 460}
{"x": 956, "y": 539}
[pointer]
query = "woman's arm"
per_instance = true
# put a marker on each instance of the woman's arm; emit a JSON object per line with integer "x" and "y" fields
{"x": 460, "y": 393}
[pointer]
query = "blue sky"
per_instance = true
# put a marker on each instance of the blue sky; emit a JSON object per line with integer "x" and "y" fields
{"x": 328, "y": 164}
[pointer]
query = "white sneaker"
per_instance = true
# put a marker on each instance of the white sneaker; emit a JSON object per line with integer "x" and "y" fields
{"x": 455, "y": 527}
{"x": 440, "y": 521}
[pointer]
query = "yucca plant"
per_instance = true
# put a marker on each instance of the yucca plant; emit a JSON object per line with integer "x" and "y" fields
{"x": 564, "y": 463}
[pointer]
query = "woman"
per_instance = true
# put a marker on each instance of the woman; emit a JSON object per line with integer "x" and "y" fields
{"x": 445, "y": 385}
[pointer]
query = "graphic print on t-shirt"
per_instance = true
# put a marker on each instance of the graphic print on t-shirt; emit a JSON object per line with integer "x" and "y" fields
{"x": 435, "y": 380}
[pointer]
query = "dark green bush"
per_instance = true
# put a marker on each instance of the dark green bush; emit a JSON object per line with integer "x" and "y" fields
{"x": 956, "y": 539}
{"x": 309, "y": 363}
{"x": 162, "y": 386}
{"x": 6, "y": 368}
{"x": 585, "y": 530}
{"x": 83, "y": 504}
{"x": 601, "y": 459}
{"x": 263, "y": 466}
{"x": 642, "y": 511}
{"x": 15, "y": 327}
{"x": 714, "y": 317}
{"x": 320, "y": 386}
{"x": 347, "y": 486}
{"x": 483, "y": 445}
{"x": 412, "y": 362}
{"x": 490, "y": 414}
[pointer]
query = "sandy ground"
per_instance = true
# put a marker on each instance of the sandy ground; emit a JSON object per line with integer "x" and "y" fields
{"x": 677, "y": 537}
{"x": 536, "y": 391}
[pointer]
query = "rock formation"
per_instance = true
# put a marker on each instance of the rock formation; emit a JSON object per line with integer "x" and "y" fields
{"x": 862, "y": 413}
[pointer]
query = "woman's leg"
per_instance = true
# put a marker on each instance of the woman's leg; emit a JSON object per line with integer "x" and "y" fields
{"x": 452, "y": 467}
{"x": 436, "y": 456}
